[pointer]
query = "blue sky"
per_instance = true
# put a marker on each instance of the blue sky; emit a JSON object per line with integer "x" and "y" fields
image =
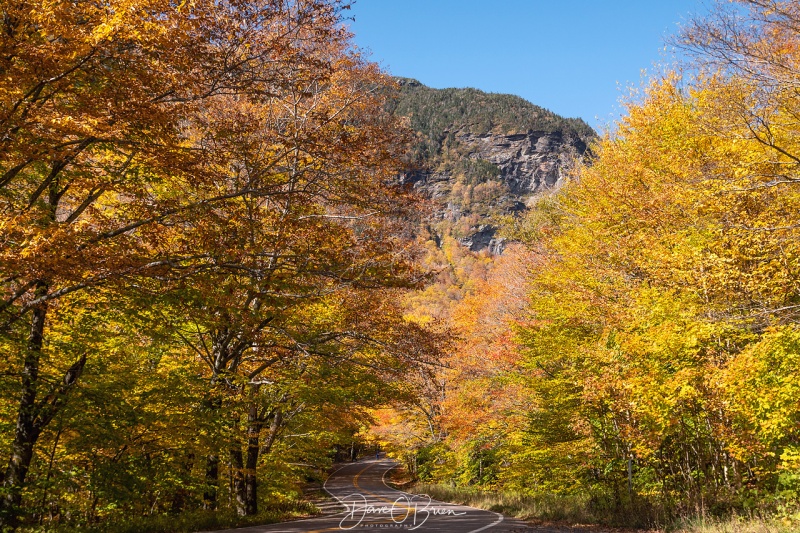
{"x": 575, "y": 57}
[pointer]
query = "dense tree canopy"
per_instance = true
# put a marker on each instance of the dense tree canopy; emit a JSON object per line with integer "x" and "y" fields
{"x": 202, "y": 253}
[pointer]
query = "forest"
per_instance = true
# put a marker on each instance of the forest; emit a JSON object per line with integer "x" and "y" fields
{"x": 214, "y": 286}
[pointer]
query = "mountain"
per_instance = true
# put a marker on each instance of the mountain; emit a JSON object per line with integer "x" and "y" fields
{"x": 482, "y": 157}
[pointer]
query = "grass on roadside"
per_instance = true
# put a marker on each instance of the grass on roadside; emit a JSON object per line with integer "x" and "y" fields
{"x": 549, "y": 507}
{"x": 739, "y": 525}
{"x": 577, "y": 510}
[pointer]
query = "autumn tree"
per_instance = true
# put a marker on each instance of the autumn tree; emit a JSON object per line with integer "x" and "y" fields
{"x": 668, "y": 256}
{"x": 133, "y": 131}
{"x": 328, "y": 222}
{"x": 753, "y": 43}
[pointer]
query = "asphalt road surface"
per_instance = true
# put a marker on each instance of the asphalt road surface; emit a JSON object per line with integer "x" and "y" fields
{"x": 369, "y": 504}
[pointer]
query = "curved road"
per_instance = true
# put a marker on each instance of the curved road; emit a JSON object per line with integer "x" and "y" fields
{"x": 369, "y": 504}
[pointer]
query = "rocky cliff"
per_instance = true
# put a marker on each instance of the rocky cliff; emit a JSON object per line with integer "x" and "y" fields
{"x": 484, "y": 157}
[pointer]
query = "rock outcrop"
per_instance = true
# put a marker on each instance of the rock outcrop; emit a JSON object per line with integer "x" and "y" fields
{"x": 529, "y": 162}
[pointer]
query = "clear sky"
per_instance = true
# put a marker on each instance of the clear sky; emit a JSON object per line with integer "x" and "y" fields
{"x": 574, "y": 57}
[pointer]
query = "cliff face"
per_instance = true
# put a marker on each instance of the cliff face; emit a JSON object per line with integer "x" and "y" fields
{"x": 484, "y": 157}
{"x": 529, "y": 162}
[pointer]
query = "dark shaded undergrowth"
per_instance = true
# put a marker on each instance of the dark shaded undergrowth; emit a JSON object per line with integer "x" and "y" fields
{"x": 193, "y": 521}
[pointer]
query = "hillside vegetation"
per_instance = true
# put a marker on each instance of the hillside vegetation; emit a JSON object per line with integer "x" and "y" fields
{"x": 437, "y": 113}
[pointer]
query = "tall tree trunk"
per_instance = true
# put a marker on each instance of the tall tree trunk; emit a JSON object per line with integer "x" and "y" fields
{"x": 237, "y": 471}
{"x": 214, "y": 405}
{"x": 212, "y": 483}
{"x": 251, "y": 480}
{"x": 32, "y": 416}
{"x": 26, "y": 432}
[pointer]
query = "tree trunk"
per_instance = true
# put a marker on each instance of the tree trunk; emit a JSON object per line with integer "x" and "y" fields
{"x": 237, "y": 471}
{"x": 26, "y": 432}
{"x": 250, "y": 478}
{"x": 210, "y": 494}
{"x": 275, "y": 426}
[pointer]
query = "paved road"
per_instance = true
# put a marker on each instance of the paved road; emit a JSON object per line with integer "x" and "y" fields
{"x": 369, "y": 504}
